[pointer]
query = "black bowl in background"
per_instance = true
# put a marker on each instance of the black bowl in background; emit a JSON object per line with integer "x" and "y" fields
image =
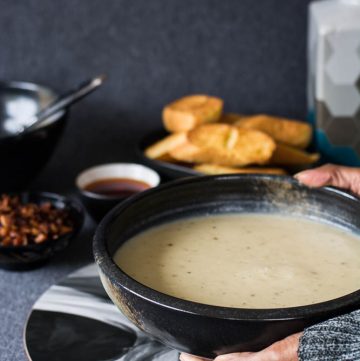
{"x": 34, "y": 255}
{"x": 23, "y": 156}
{"x": 201, "y": 329}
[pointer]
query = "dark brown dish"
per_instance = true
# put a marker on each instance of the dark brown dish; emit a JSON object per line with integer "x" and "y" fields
{"x": 202, "y": 329}
{"x": 23, "y": 257}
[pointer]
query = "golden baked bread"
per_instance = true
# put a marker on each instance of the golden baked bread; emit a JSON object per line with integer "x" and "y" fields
{"x": 166, "y": 158}
{"x": 220, "y": 143}
{"x": 232, "y": 146}
{"x": 295, "y": 133}
{"x": 190, "y": 153}
{"x": 219, "y": 169}
{"x": 286, "y": 155}
{"x": 231, "y": 118}
{"x": 163, "y": 146}
{"x": 188, "y": 112}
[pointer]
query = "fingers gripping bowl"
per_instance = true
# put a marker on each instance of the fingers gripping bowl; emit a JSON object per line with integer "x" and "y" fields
{"x": 203, "y": 329}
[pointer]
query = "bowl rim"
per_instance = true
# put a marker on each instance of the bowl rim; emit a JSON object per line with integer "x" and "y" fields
{"x": 121, "y": 280}
{"x": 35, "y": 88}
{"x": 70, "y": 203}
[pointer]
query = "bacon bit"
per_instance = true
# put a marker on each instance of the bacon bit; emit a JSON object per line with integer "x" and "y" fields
{"x": 23, "y": 224}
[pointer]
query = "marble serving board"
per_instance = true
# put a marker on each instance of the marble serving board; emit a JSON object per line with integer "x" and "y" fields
{"x": 75, "y": 320}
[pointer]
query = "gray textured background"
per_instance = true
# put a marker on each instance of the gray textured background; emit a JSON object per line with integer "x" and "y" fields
{"x": 250, "y": 53}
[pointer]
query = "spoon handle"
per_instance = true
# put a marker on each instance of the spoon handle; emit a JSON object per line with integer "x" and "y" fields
{"x": 66, "y": 99}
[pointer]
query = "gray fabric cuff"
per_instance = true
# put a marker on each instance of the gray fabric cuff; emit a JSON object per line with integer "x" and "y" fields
{"x": 337, "y": 339}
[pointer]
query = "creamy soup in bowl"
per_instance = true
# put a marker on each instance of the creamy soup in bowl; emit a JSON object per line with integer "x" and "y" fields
{"x": 247, "y": 260}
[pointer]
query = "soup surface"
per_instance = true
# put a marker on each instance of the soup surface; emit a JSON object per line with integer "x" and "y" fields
{"x": 246, "y": 261}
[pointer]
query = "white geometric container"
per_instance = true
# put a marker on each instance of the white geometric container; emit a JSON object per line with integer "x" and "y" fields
{"x": 334, "y": 78}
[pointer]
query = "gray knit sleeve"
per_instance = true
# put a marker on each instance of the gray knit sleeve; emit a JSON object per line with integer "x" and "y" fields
{"x": 337, "y": 339}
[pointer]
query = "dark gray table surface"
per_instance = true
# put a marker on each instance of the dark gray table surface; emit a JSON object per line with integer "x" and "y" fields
{"x": 251, "y": 53}
{"x": 19, "y": 291}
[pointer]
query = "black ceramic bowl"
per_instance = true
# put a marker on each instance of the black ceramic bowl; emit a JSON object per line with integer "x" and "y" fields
{"x": 99, "y": 204}
{"x": 34, "y": 255}
{"x": 201, "y": 329}
{"x": 22, "y": 157}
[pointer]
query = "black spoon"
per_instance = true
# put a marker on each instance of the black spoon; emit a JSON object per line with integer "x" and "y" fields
{"x": 62, "y": 102}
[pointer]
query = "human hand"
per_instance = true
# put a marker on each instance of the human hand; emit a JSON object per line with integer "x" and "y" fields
{"x": 284, "y": 350}
{"x": 332, "y": 175}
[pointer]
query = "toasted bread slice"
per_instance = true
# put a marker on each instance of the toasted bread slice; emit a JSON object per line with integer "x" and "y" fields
{"x": 232, "y": 146}
{"x": 190, "y": 153}
{"x": 294, "y": 133}
{"x": 188, "y": 112}
{"x": 164, "y": 146}
{"x": 286, "y": 155}
{"x": 218, "y": 169}
{"x": 231, "y": 118}
{"x": 166, "y": 158}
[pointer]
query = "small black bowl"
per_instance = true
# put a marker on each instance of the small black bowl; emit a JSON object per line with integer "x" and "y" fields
{"x": 201, "y": 329}
{"x": 100, "y": 204}
{"x": 34, "y": 255}
{"x": 23, "y": 156}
